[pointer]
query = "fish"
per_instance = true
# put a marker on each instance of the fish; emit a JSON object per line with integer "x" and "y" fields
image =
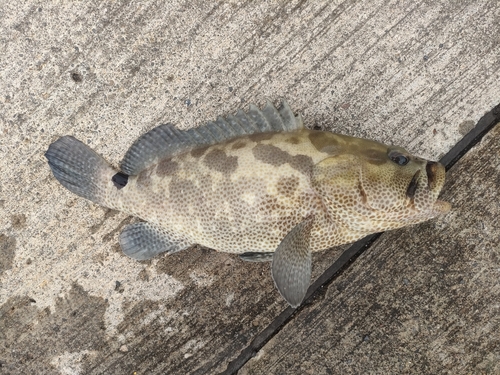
{"x": 258, "y": 184}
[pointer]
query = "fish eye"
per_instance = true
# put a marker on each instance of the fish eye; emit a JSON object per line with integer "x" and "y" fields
{"x": 398, "y": 158}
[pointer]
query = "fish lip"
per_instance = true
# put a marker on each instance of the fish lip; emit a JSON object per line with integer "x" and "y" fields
{"x": 412, "y": 186}
{"x": 431, "y": 170}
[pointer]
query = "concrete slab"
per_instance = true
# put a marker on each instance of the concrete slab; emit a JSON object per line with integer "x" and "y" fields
{"x": 422, "y": 300}
{"x": 418, "y": 75}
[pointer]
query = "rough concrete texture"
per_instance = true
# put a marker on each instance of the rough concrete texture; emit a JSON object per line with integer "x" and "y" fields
{"x": 422, "y": 300}
{"x": 417, "y": 74}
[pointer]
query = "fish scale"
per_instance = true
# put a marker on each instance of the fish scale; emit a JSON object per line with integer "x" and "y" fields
{"x": 258, "y": 184}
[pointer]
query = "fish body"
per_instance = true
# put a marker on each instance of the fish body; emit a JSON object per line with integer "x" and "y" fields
{"x": 258, "y": 184}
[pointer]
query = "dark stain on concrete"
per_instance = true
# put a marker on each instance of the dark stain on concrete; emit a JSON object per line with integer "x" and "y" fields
{"x": 107, "y": 215}
{"x": 76, "y": 325}
{"x": 109, "y": 236}
{"x": 18, "y": 221}
{"x": 466, "y": 127}
{"x": 7, "y": 252}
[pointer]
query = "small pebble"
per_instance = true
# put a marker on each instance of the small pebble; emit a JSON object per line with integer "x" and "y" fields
{"x": 123, "y": 348}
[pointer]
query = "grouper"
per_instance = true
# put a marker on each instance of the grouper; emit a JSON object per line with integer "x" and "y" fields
{"x": 258, "y": 184}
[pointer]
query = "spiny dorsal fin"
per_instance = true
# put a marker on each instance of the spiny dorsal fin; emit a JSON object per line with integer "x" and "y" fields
{"x": 166, "y": 141}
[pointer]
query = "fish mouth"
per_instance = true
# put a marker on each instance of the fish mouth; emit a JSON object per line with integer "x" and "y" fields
{"x": 412, "y": 187}
{"x": 431, "y": 169}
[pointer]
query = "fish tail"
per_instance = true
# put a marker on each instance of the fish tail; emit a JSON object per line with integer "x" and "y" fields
{"x": 81, "y": 170}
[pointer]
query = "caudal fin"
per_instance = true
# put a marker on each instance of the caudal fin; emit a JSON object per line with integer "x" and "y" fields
{"x": 80, "y": 169}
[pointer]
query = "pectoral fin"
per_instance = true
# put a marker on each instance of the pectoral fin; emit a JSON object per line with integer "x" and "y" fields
{"x": 291, "y": 267}
{"x": 143, "y": 241}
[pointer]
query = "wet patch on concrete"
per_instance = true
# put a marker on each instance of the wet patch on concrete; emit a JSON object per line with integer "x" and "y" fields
{"x": 7, "y": 252}
{"x": 107, "y": 215}
{"x": 18, "y": 221}
{"x": 30, "y": 337}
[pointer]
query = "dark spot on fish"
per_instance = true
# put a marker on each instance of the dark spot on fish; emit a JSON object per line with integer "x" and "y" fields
{"x": 293, "y": 140}
{"x": 273, "y": 155}
{"x": 287, "y": 185}
{"x": 238, "y": 144}
{"x": 120, "y": 180}
{"x": 374, "y": 156}
{"x": 220, "y": 162}
{"x": 324, "y": 142}
{"x": 270, "y": 154}
{"x": 18, "y": 221}
{"x": 257, "y": 137}
{"x": 302, "y": 163}
{"x": 7, "y": 252}
{"x": 198, "y": 152}
{"x": 166, "y": 167}
{"x": 144, "y": 178}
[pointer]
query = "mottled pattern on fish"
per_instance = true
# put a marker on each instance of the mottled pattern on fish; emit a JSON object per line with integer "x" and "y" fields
{"x": 242, "y": 188}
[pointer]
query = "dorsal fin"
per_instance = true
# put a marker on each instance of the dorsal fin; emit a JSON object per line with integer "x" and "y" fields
{"x": 166, "y": 141}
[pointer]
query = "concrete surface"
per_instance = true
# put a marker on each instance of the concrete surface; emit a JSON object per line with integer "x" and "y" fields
{"x": 422, "y": 300}
{"x": 417, "y": 74}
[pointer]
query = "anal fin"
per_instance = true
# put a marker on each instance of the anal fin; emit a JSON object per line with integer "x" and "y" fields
{"x": 291, "y": 267}
{"x": 143, "y": 241}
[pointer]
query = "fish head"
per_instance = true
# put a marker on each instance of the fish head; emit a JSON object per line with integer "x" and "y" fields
{"x": 372, "y": 187}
